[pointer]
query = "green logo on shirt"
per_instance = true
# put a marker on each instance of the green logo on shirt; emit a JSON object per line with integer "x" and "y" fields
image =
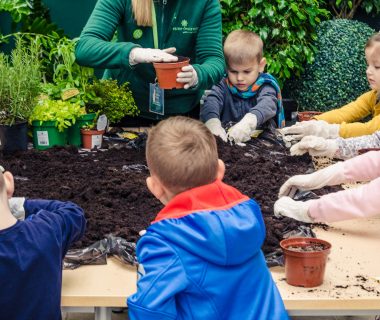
{"x": 137, "y": 34}
{"x": 185, "y": 27}
{"x": 184, "y": 23}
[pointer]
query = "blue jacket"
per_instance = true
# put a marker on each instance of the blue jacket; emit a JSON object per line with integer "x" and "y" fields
{"x": 31, "y": 254}
{"x": 201, "y": 259}
{"x": 222, "y": 104}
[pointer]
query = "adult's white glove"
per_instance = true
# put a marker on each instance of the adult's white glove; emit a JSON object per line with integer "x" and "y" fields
{"x": 188, "y": 76}
{"x": 315, "y": 146}
{"x": 241, "y": 132}
{"x": 215, "y": 126}
{"x": 317, "y": 128}
{"x": 147, "y": 55}
{"x": 16, "y": 205}
{"x": 328, "y": 176}
{"x": 288, "y": 207}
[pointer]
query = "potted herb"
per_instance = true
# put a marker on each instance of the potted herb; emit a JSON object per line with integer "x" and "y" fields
{"x": 19, "y": 87}
{"x": 92, "y": 133}
{"x": 50, "y": 120}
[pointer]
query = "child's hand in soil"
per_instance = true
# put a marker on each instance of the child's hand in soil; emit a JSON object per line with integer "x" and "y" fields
{"x": 315, "y": 146}
{"x": 288, "y": 207}
{"x": 317, "y": 128}
{"x": 241, "y": 132}
{"x": 215, "y": 126}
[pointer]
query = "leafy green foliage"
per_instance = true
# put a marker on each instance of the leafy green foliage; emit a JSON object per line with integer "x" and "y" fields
{"x": 19, "y": 83}
{"x": 18, "y": 9}
{"x": 346, "y": 9}
{"x": 338, "y": 74}
{"x": 64, "y": 113}
{"x": 287, "y": 28}
{"x": 112, "y": 100}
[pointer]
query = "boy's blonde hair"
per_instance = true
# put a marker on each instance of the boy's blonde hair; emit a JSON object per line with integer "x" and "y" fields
{"x": 375, "y": 38}
{"x": 243, "y": 46}
{"x": 142, "y": 11}
{"x": 182, "y": 153}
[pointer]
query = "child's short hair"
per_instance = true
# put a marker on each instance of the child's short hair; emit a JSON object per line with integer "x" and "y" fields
{"x": 243, "y": 46}
{"x": 375, "y": 38}
{"x": 182, "y": 153}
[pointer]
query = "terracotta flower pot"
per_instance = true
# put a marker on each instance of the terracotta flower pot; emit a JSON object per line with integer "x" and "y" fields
{"x": 167, "y": 73}
{"x": 364, "y": 150}
{"x": 307, "y": 115}
{"x": 305, "y": 261}
{"x": 92, "y": 138}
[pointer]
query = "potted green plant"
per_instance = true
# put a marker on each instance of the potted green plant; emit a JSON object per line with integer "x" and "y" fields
{"x": 19, "y": 88}
{"x": 50, "y": 120}
{"x": 92, "y": 137}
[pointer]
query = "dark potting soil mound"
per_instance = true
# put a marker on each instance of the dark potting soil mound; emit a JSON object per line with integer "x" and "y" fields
{"x": 110, "y": 185}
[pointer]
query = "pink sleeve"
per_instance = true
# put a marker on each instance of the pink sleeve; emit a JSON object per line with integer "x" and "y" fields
{"x": 365, "y": 167}
{"x": 360, "y": 202}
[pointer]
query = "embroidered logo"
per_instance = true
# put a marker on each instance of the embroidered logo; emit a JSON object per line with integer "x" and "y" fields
{"x": 184, "y": 23}
{"x": 185, "y": 27}
{"x": 137, "y": 34}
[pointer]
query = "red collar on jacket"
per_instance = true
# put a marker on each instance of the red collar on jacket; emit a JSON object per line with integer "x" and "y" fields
{"x": 214, "y": 196}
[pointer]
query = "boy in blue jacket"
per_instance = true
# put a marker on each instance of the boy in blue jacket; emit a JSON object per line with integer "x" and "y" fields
{"x": 247, "y": 95}
{"x": 201, "y": 256}
{"x": 31, "y": 252}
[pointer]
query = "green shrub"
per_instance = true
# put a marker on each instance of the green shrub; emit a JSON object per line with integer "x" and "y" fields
{"x": 287, "y": 28}
{"x": 338, "y": 74}
{"x": 112, "y": 100}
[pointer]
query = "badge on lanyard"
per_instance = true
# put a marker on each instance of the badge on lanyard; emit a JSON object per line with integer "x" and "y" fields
{"x": 156, "y": 99}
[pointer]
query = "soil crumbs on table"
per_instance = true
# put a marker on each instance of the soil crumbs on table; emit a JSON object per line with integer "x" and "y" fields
{"x": 110, "y": 184}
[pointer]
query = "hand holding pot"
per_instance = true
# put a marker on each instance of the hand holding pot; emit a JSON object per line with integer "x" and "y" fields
{"x": 241, "y": 132}
{"x": 298, "y": 210}
{"x": 328, "y": 176}
{"x": 315, "y": 146}
{"x": 215, "y": 126}
{"x": 16, "y": 205}
{"x": 317, "y": 128}
{"x": 188, "y": 76}
{"x": 143, "y": 55}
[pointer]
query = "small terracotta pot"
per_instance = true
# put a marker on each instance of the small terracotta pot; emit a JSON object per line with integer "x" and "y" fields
{"x": 307, "y": 115}
{"x": 167, "y": 73}
{"x": 305, "y": 268}
{"x": 364, "y": 150}
{"x": 92, "y": 138}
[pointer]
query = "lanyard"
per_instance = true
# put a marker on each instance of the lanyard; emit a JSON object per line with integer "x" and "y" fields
{"x": 154, "y": 26}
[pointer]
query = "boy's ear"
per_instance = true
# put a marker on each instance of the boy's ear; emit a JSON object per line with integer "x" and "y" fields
{"x": 221, "y": 170}
{"x": 262, "y": 64}
{"x": 9, "y": 184}
{"x": 155, "y": 187}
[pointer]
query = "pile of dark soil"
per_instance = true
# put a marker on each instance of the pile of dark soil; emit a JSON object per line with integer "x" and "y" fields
{"x": 110, "y": 185}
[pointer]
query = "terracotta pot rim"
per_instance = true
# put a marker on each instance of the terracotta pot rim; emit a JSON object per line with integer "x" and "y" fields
{"x": 284, "y": 244}
{"x": 91, "y": 132}
{"x": 171, "y": 65}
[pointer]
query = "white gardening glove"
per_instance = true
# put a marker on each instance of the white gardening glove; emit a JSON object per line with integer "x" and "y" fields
{"x": 189, "y": 76}
{"x": 241, "y": 132}
{"x": 328, "y": 176}
{"x": 288, "y": 207}
{"x": 16, "y": 205}
{"x": 315, "y": 146}
{"x": 215, "y": 126}
{"x": 318, "y": 128}
{"x": 147, "y": 55}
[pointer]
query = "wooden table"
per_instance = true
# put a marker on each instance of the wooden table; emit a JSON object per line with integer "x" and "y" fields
{"x": 349, "y": 287}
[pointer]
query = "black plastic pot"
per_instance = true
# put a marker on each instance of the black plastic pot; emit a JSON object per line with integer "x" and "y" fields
{"x": 14, "y": 138}
{"x": 290, "y": 105}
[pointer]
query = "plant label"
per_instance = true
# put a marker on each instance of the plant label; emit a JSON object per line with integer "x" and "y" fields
{"x": 156, "y": 99}
{"x": 102, "y": 122}
{"x": 69, "y": 93}
{"x": 42, "y": 138}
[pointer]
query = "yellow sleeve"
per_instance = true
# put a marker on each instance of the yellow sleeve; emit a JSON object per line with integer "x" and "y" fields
{"x": 356, "y": 129}
{"x": 352, "y": 112}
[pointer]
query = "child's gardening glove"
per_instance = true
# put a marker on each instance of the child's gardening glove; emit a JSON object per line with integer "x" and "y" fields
{"x": 241, "y": 132}
{"x": 315, "y": 146}
{"x": 16, "y": 205}
{"x": 147, "y": 55}
{"x": 328, "y": 176}
{"x": 215, "y": 126}
{"x": 317, "y": 128}
{"x": 288, "y": 207}
{"x": 189, "y": 76}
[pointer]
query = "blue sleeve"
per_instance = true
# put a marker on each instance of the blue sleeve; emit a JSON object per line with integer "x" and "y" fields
{"x": 162, "y": 277}
{"x": 214, "y": 103}
{"x": 68, "y": 216}
{"x": 266, "y": 107}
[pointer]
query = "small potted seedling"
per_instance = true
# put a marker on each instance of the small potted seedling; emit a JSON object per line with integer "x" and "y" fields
{"x": 305, "y": 261}
{"x": 92, "y": 133}
{"x": 167, "y": 73}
